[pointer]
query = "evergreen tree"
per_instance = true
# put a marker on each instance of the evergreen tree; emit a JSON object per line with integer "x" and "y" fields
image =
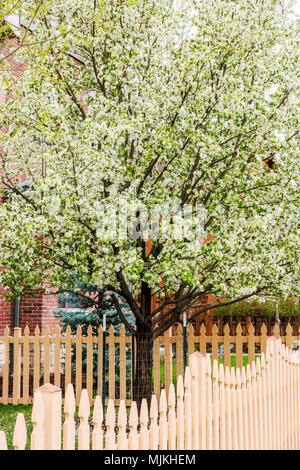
{"x": 88, "y": 309}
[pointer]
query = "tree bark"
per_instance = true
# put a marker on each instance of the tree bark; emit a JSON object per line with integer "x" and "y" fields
{"x": 143, "y": 366}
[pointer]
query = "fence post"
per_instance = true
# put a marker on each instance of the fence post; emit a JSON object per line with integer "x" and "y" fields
{"x": 52, "y": 421}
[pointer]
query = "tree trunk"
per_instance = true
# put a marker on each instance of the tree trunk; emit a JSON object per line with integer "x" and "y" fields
{"x": 143, "y": 368}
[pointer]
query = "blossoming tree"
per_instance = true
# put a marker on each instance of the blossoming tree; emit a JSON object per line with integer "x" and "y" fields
{"x": 157, "y": 102}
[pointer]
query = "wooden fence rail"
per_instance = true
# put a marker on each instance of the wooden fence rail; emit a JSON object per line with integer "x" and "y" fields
{"x": 256, "y": 407}
{"x": 27, "y": 361}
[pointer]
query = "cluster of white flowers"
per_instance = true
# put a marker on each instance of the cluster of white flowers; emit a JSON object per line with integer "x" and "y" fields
{"x": 197, "y": 104}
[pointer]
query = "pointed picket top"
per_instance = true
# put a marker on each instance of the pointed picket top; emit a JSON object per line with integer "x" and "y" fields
{"x": 190, "y": 329}
{"x": 84, "y": 405}
{"x": 251, "y": 329}
{"x": 221, "y": 374}
{"x": 68, "y": 331}
{"x": 276, "y": 331}
{"x": 232, "y": 378}
{"x": 194, "y": 365}
{"x": 187, "y": 377}
{"x": 180, "y": 388}
{"x": 100, "y": 331}
{"x": 226, "y": 330}
{"x": 110, "y": 425}
{"x": 26, "y": 331}
{"x": 90, "y": 331}
{"x": 214, "y": 330}
{"x": 144, "y": 417}
{"x": 208, "y": 365}
{"x": 289, "y": 329}
{"x": 69, "y": 404}
{"x": 238, "y": 379}
{"x": 215, "y": 372}
{"x": 283, "y": 351}
{"x": 258, "y": 367}
{"x": 78, "y": 331}
{"x": 37, "y": 331}
{"x": 6, "y": 331}
{"x": 171, "y": 398}
{"x": 263, "y": 330}
{"x": 110, "y": 414}
{"x": 253, "y": 372}
{"x": 163, "y": 402}
{"x": 227, "y": 377}
{"x": 97, "y": 412}
{"x": 133, "y": 415}
{"x": 69, "y": 423}
{"x": 153, "y": 408}
{"x": 122, "y": 422}
{"x": 47, "y": 331}
{"x": 263, "y": 361}
{"x": 239, "y": 329}
{"x": 244, "y": 380}
{"x": 248, "y": 374}
{"x": 3, "y": 443}
{"x": 111, "y": 331}
{"x": 202, "y": 330}
{"x": 20, "y": 433}
{"x": 122, "y": 330}
{"x": 57, "y": 331}
{"x": 133, "y": 443}
{"x": 122, "y": 416}
{"x": 97, "y": 419}
{"x": 179, "y": 330}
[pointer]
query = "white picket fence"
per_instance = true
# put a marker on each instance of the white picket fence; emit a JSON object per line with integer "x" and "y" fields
{"x": 253, "y": 408}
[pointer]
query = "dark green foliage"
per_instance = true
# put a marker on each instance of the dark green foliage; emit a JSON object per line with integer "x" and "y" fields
{"x": 87, "y": 309}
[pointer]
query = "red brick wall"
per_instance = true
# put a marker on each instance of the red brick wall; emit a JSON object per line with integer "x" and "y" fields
{"x": 34, "y": 311}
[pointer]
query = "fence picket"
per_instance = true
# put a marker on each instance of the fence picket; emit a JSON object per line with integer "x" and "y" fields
{"x": 233, "y": 398}
{"x": 17, "y": 366}
{"x": 37, "y": 418}
{"x": 84, "y": 427}
{"x": 171, "y": 419}
{"x": 20, "y": 433}
{"x": 133, "y": 443}
{"x": 110, "y": 422}
{"x": 222, "y": 410}
{"x": 144, "y": 432}
{"x": 69, "y": 423}
{"x": 180, "y": 414}
{"x": 239, "y": 410}
{"x": 97, "y": 434}
{"x": 25, "y": 372}
{"x": 215, "y": 406}
{"x": 153, "y": 433}
{"x": 3, "y": 443}
{"x": 187, "y": 410}
{"x": 122, "y": 421}
{"x": 163, "y": 423}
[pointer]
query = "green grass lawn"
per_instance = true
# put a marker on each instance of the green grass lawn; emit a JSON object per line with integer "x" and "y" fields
{"x": 8, "y": 416}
